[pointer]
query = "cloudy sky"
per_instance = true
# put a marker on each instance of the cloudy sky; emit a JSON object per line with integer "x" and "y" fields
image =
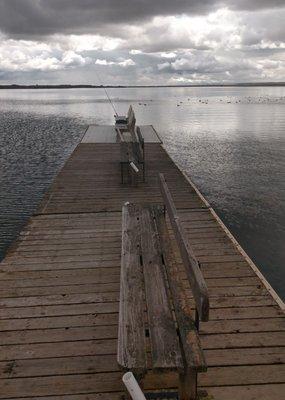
{"x": 141, "y": 41}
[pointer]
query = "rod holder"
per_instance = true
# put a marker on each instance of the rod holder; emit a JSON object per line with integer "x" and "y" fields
{"x": 134, "y": 167}
{"x": 133, "y": 387}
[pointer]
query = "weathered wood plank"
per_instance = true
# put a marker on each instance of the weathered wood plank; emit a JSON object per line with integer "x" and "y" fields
{"x": 66, "y": 253}
{"x": 58, "y": 385}
{"x": 35, "y": 275}
{"x": 58, "y": 366}
{"x": 163, "y": 336}
{"x": 58, "y": 349}
{"x": 245, "y": 356}
{"x": 246, "y": 392}
{"x": 59, "y": 248}
{"x": 59, "y": 334}
{"x": 244, "y": 313}
{"x": 75, "y": 258}
{"x": 131, "y": 336}
{"x": 245, "y": 325}
{"x": 58, "y": 265}
{"x": 83, "y": 298}
{"x": 60, "y": 289}
{"x": 96, "y": 277}
{"x": 88, "y": 396}
{"x": 62, "y": 309}
{"x": 242, "y": 375}
{"x": 62, "y": 321}
{"x": 238, "y": 302}
{"x": 251, "y": 339}
{"x": 188, "y": 334}
{"x": 193, "y": 271}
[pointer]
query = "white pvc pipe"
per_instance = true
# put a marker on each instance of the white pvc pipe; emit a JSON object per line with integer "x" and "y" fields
{"x": 134, "y": 167}
{"x": 133, "y": 386}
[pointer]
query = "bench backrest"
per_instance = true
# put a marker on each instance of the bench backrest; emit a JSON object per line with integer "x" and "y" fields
{"x": 131, "y": 119}
{"x": 140, "y": 137}
{"x": 194, "y": 274}
{"x": 138, "y": 146}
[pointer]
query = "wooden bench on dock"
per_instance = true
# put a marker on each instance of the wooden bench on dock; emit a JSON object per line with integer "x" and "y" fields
{"x": 150, "y": 280}
{"x": 132, "y": 161}
{"x": 125, "y": 123}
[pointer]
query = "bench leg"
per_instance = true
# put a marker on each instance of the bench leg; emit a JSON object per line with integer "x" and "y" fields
{"x": 133, "y": 176}
{"x": 122, "y": 173}
{"x": 188, "y": 385}
{"x": 143, "y": 173}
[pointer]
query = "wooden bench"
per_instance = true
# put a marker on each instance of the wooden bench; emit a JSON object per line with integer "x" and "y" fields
{"x": 125, "y": 124}
{"x": 151, "y": 280}
{"x": 132, "y": 160}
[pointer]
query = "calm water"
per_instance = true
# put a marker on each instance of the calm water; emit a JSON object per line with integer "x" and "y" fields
{"x": 230, "y": 141}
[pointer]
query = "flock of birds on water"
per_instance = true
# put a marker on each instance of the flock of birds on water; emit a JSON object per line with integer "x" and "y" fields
{"x": 245, "y": 100}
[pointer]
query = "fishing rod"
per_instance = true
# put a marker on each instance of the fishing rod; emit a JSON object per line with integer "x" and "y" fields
{"x": 105, "y": 90}
{"x": 131, "y": 162}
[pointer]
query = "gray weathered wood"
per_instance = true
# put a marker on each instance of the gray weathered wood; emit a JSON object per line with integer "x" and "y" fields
{"x": 193, "y": 271}
{"x": 192, "y": 349}
{"x": 131, "y": 119}
{"x": 140, "y": 137}
{"x": 125, "y": 151}
{"x": 132, "y": 150}
{"x": 164, "y": 340}
{"x": 128, "y": 156}
{"x": 131, "y": 335}
{"x": 140, "y": 144}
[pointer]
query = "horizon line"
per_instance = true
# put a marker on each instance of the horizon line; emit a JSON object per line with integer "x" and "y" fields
{"x": 67, "y": 86}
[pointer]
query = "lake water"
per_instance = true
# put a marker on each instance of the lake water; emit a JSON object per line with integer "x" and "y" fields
{"x": 230, "y": 141}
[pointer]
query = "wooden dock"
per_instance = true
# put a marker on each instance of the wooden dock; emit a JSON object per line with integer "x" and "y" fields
{"x": 59, "y": 289}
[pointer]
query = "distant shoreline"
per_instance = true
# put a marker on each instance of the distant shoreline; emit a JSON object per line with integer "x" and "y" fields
{"x": 253, "y": 84}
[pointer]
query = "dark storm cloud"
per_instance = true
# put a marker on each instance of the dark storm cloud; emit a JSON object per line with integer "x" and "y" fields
{"x": 45, "y": 17}
{"x": 251, "y": 5}
{"x": 34, "y": 18}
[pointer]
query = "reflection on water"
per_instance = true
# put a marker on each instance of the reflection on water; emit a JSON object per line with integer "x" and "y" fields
{"x": 229, "y": 140}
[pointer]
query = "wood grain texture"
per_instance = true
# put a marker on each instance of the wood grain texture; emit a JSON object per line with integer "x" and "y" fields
{"x": 165, "y": 347}
{"x": 192, "y": 349}
{"x": 192, "y": 268}
{"x": 131, "y": 336}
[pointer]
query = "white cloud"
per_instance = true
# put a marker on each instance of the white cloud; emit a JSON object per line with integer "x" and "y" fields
{"x": 121, "y": 62}
{"x": 72, "y": 59}
{"x": 127, "y": 63}
{"x": 81, "y": 43}
{"x": 103, "y": 62}
{"x": 135, "y": 52}
{"x": 167, "y": 55}
{"x": 21, "y": 55}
